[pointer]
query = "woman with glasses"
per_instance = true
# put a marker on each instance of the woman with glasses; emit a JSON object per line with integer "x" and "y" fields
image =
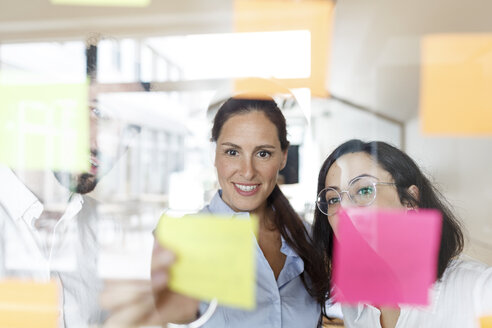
{"x": 376, "y": 174}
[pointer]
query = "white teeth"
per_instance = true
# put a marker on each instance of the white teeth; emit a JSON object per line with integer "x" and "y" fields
{"x": 246, "y": 188}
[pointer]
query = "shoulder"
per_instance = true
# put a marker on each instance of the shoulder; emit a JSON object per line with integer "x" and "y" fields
{"x": 205, "y": 210}
{"x": 477, "y": 277}
{"x": 218, "y": 206}
{"x": 462, "y": 275}
{"x": 469, "y": 277}
{"x": 464, "y": 270}
{"x": 89, "y": 205}
{"x": 89, "y": 201}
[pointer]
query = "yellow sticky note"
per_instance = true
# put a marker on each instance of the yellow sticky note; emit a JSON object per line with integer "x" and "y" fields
{"x": 44, "y": 126}
{"x": 315, "y": 16}
{"x": 101, "y": 3}
{"x": 486, "y": 322}
{"x": 215, "y": 257}
{"x": 456, "y": 80}
{"x": 27, "y": 304}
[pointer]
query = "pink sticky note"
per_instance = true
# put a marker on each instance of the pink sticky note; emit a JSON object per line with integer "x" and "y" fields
{"x": 386, "y": 257}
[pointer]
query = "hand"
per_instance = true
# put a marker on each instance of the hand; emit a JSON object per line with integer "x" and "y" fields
{"x": 171, "y": 306}
{"x": 130, "y": 304}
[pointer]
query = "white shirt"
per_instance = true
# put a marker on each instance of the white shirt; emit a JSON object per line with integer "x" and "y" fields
{"x": 463, "y": 295}
{"x": 69, "y": 254}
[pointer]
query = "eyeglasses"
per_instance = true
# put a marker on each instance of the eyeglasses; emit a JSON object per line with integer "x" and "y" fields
{"x": 361, "y": 191}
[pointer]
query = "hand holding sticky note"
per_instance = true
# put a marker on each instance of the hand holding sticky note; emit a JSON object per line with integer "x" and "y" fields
{"x": 386, "y": 257}
{"x": 215, "y": 257}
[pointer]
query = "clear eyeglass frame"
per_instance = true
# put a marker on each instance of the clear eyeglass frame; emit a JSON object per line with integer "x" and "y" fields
{"x": 354, "y": 186}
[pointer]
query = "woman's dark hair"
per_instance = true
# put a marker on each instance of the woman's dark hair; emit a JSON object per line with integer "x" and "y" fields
{"x": 236, "y": 106}
{"x": 286, "y": 220}
{"x": 405, "y": 173}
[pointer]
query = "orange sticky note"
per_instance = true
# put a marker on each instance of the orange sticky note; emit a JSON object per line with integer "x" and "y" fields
{"x": 315, "y": 16}
{"x": 27, "y": 304}
{"x": 258, "y": 88}
{"x": 486, "y": 322}
{"x": 100, "y": 3}
{"x": 456, "y": 84}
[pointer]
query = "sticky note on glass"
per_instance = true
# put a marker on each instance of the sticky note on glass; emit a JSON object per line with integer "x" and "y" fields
{"x": 105, "y": 3}
{"x": 386, "y": 257}
{"x": 27, "y": 304}
{"x": 44, "y": 126}
{"x": 486, "y": 322}
{"x": 315, "y": 17}
{"x": 456, "y": 75}
{"x": 215, "y": 257}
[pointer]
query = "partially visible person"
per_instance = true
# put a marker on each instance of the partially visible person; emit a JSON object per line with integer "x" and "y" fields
{"x": 376, "y": 174}
{"x": 251, "y": 149}
{"x": 81, "y": 182}
{"x": 41, "y": 243}
{"x": 85, "y": 182}
{"x": 58, "y": 241}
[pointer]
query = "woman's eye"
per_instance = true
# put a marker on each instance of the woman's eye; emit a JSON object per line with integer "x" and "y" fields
{"x": 231, "y": 152}
{"x": 333, "y": 201}
{"x": 365, "y": 191}
{"x": 264, "y": 154}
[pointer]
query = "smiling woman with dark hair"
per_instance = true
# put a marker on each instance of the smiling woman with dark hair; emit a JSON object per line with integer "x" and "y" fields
{"x": 251, "y": 149}
{"x": 377, "y": 174}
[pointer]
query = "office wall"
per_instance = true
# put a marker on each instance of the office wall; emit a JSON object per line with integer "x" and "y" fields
{"x": 461, "y": 168}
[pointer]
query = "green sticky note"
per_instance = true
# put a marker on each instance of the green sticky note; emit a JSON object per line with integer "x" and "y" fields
{"x": 44, "y": 126}
{"x": 102, "y": 3}
{"x": 215, "y": 257}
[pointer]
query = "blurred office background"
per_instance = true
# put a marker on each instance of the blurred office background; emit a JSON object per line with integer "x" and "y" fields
{"x": 156, "y": 70}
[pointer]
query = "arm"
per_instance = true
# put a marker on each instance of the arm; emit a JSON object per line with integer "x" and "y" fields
{"x": 132, "y": 303}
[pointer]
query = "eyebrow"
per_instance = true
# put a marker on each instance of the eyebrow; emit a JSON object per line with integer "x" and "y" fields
{"x": 363, "y": 175}
{"x": 230, "y": 144}
{"x": 357, "y": 177}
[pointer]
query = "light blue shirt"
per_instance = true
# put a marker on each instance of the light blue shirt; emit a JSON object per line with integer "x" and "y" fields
{"x": 279, "y": 303}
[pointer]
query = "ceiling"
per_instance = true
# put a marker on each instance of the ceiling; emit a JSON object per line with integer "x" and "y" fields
{"x": 375, "y": 49}
{"x": 26, "y": 20}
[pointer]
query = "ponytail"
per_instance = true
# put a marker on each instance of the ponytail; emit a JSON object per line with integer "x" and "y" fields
{"x": 294, "y": 232}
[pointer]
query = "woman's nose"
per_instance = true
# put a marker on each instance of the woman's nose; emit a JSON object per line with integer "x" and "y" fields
{"x": 345, "y": 200}
{"x": 247, "y": 169}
